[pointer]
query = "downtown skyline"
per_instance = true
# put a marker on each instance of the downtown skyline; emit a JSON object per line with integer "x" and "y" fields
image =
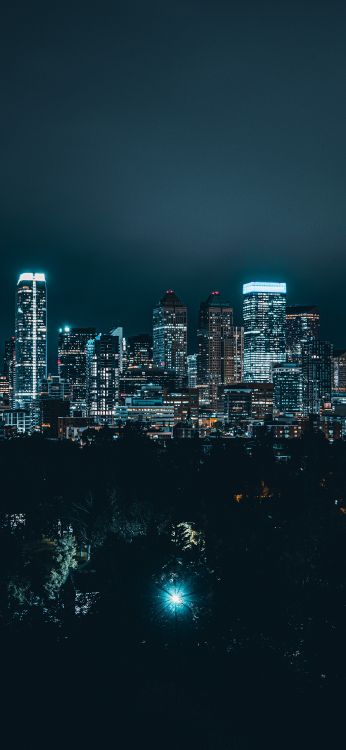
{"x": 274, "y": 366}
{"x": 133, "y": 322}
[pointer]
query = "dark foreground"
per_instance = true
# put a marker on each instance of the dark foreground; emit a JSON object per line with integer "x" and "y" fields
{"x": 91, "y": 542}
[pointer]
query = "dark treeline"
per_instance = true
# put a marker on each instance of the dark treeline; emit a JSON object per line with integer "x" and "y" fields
{"x": 92, "y": 540}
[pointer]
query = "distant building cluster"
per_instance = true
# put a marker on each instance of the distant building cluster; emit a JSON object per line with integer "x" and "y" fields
{"x": 271, "y": 373}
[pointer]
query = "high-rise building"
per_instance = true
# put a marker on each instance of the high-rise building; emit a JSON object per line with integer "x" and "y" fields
{"x": 170, "y": 335}
{"x": 302, "y": 326}
{"x": 192, "y": 360}
{"x": 72, "y": 364}
{"x": 10, "y": 366}
{"x": 264, "y": 312}
{"x": 339, "y": 370}
{"x": 317, "y": 371}
{"x": 140, "y": 351}
{"x": 103, "y": 377}
{"x": 31, "y": 337}
{"x": 235, "y": 356}
{"x": 214, "y": 340}
{"x": 288, "y": 395}
{"x": 119, "y": 333}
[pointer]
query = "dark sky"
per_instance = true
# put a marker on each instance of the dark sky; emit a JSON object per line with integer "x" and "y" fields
{"x": 193, "y": 145}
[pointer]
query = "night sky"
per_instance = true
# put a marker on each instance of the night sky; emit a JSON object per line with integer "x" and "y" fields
{"x": 193, "y": 145}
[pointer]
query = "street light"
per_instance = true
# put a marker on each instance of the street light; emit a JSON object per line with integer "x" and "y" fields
{"x": 176, "y": 599}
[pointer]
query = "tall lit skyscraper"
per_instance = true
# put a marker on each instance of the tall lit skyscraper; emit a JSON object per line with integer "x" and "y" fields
{"x": 214, "y": 344}
{"x": 103, "y": 376}
{"x": 170, "y": 335}
{"x": 302, "y": 326}
{"x": 288, "y": 394}
{"x": 72, "y": 364}
{"x": 264, "y": 312}
{"x": 317, "y": 360}
{"x": 31, "y": 337}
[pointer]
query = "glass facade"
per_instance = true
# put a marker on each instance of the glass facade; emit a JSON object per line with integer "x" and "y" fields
{"x": 317, "y": 367}
{"x": 31, "y": 337}
{"x": 264, "y": 313}
{"x": 288, "y": 389}
{"x": 103, "y": 377}
{"x": 72, "y": 364}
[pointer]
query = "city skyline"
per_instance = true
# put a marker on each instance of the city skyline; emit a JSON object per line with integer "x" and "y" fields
{"x": 57, "y": 321}
{"x": 274, "y": 367}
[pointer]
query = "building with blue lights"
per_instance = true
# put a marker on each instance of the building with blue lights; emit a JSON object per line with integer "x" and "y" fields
{"x": 31, "y": 338}
{"x": 264, "y": 313}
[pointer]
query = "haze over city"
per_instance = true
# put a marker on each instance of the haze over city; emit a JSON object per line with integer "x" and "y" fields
{"x": 197, "y": 146}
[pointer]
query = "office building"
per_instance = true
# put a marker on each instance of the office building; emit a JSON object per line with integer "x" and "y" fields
{"x": 317, "y": 372}
{"x": 243, "y": 403}
{"x": 10, "y": 366}
{"x": 192, "y": 370}
{"x": 339, "y": 371}
{"x": 235, "y": 356}
{"x": 31, "y": 337}
{"x": 72, "y": 364}
{"x": 140, "y": 351}
{"x": 170, "y": 335}
{"x": 264, "y": 313}
{"x": 288, "y": 394}
{"x": 103, "y": 377}
{"x": 302, "y": 326}
{"x": 119, "y": 333}
{"x": 213, "y": 336}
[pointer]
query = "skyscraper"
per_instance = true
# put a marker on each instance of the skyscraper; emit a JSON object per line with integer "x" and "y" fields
{"x": 288, "y": 394}
{"x": 264, "y": 312}
{"x": 317, "y": 371}
{"x": 103, "y": 377}
{"x": 192, "y": 360}
{"x": 31, "y": 337}
{"x": 214, "y": 363}
{"x": 302, "y": 326}
{"x": 235, "y": 356}
{"x": 170, "y": 335}
{"x": 140, "y": 350}
{"x": 72, "y": 364}
{"x": 10, "y": 365}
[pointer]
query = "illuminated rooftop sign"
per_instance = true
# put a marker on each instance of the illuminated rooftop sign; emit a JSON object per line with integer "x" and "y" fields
{"x": 31, "y": 277}
{"x": 266, "y": 287}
